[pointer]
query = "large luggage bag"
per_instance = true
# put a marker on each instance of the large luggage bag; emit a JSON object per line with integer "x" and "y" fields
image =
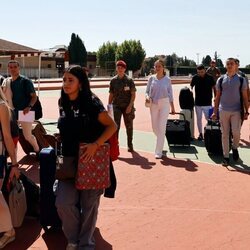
{"x": 178, "y": 131}
{"x": 212, "y": 137}
{"x": 39, "y": 132}
{"x": 48, "y": 211}
{"x": 189, "y": 115}
{"x": 186, "y": 99}
{"x": 32, "y": 192}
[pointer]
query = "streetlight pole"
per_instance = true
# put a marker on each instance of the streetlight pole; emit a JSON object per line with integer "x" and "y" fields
{"x": 198, "y": 59}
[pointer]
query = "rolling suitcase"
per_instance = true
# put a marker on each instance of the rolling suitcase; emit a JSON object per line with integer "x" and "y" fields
{"x": 189, "y": 115}
{"x": 178, "y": 131}
{"x": 212, "y": 137}
{"x": 48, "y": 212}
{"x": 32, "y": 192}
{"x": 39, "y": 132}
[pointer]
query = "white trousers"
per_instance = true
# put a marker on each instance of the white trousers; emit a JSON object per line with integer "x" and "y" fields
{"x": 199, "y": 110}
{"x": 159, "y": 116}
{"x": 27, "y": 133}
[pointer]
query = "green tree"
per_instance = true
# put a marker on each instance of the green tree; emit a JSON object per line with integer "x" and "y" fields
{"x": 219, "y": 63}
{"x": 248, "y": 66}
{"x": 106, "y": 54}
{"x": 148, "y": 65}
{"x": 132, "y": 53}
{"x": 77, "y": 51}
{"x": 186, "y": 62}
{"x": 169, "y": 61}
{"x": 206, "y": 61}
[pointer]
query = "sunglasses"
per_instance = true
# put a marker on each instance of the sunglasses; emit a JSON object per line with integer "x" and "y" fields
{"x": 13, "y": 67}
{"x": 231, "y": 63}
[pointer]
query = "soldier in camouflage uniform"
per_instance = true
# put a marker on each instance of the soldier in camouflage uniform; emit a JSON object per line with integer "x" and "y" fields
{"x": 122, "y": 96}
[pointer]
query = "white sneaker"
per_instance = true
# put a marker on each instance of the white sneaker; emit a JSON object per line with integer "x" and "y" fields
{"x": 71, "y": 246}
{"x": 158, "y": 156}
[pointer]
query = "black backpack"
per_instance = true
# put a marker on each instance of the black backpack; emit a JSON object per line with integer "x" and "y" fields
{"x": 186, "y": 99}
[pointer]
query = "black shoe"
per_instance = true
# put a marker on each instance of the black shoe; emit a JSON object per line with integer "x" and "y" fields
{"x": 235, "y": 154}
{"x": 130, "y": 149}
{"x": 225, "y": 162}
{"x": 200, "y": 137}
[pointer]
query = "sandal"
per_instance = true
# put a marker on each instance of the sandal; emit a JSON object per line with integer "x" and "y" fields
{"x": 7, "y": 238}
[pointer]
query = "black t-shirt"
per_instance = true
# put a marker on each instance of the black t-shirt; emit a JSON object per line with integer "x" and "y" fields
{"x": 80, "y": 124}
{"x": 203, "y": 89}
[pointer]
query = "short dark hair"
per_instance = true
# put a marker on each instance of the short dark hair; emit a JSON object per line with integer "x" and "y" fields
{"x": 13, "y": 61}
{"x": 231, "y": 59}
{"x": 200, "y": 67}
{"x": 237, "y": 61}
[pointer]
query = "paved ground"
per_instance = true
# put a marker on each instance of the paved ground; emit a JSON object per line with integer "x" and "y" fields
{"x": 184, "y": 201}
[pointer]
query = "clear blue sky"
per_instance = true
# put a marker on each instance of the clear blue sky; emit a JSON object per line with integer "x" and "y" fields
{"x": 162, "y": 26}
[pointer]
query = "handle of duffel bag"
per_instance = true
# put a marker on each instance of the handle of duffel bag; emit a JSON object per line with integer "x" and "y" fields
{"x": 178, "y": 113}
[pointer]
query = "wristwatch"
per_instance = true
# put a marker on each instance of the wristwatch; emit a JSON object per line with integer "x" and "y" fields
{"x": 30, "y": 106}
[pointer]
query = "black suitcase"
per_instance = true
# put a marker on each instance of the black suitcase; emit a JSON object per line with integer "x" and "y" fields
{"x": 48, "y": 211}
{"x": 212, "y": 137}
{"x": 178, "y": 131}
{"x": 32, "y": 192}
{"x": 186, "y": 99}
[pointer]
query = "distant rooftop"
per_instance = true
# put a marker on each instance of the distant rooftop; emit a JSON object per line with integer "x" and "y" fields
{"x": 7, "y": 47}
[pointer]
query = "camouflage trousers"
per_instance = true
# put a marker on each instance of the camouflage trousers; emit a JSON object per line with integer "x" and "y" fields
{"x": 128, "y": 121}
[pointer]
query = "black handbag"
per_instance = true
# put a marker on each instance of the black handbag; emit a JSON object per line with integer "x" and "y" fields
{"x": 66, "y": 167}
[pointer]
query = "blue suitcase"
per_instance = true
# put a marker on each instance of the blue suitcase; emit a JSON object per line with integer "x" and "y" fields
{"x": 48, "y": 211}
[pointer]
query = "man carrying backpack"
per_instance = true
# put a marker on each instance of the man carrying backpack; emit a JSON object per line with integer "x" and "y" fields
{"x": 204, "y": 85}
{"x": 231, "y": 88}
{"x": 21, "y": 95}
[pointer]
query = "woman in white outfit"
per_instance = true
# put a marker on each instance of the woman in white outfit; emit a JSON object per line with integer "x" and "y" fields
{"x": 160, "y": 94}
{"x": 6, "y": 142}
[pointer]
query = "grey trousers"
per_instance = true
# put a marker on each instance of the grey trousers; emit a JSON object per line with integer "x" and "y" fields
{"x": 78, "y": 212}
{"x": 230, "y": 120}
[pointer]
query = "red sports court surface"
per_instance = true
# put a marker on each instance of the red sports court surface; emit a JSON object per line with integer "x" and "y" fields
{"x": 160, "y": 204}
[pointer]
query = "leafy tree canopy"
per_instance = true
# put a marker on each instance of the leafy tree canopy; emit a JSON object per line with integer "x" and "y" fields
{"x": 132, "y": 53}
{"x": 106, "y": 54}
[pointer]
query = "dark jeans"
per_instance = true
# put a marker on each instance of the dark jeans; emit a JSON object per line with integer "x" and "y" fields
{"x": 128, "y": 121}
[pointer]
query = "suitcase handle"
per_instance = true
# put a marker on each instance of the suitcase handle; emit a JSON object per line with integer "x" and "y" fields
{"x": 178, "y": 113}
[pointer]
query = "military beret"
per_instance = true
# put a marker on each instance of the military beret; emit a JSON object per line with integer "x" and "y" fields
{"x": 121, "y": 63}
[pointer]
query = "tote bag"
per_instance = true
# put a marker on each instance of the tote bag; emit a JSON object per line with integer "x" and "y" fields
{"x": 17, "y": 203}
{"x": 93, "y": 174}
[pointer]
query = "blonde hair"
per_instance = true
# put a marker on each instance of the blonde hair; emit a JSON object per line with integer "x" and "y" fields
{"x": 4, "y": 100}
{"x": 162, "y": 64}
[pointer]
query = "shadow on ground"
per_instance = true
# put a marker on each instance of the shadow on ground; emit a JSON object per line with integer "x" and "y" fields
{"x": 178, "y": 163}
{"x": 26, "y": 235}
{"x": 185, "y": 151}
{"x": 138, "y": 160}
